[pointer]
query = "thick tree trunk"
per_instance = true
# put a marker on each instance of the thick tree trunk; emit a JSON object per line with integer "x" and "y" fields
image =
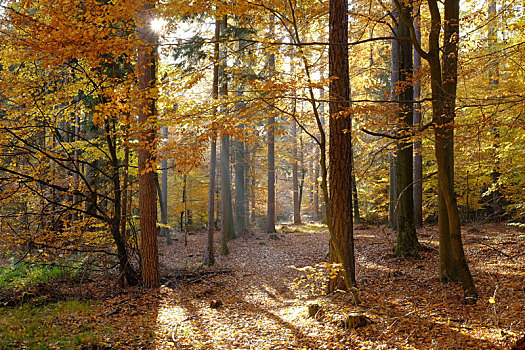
{"x": 450, "y": 76}
{"x": 444, "y": 85}
{"x": 407, "y": 243}
{"x": 340, "y": 149}
{"x": 146, "y": 64}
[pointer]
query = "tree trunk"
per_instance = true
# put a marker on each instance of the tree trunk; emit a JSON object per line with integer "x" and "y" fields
{"x": 407, "y": 243}
{"x": 496, "y": 195}
{"x": 444, "y": 86}
{"x": 209, "y": 258}
{"x": 418, "y": 149}
{"x": 357, "y": 217}
{"x": 227, "y": 227}
{"x": 164, "y": 230}
{"x": 295, "y": 178}
{"x": 270, "y": 212}
{"x": 146, "y": 64}
{"x": 394, "y": 79}
{"x": 340, "y": 149}
{"x": 127, "y": 274}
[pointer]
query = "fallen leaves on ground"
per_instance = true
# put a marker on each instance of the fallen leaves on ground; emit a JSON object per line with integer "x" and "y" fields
{"x": 258, "y": 296}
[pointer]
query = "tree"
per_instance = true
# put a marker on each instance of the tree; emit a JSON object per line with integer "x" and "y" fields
{"x": 146, "y": 67}
{"x": 210, "y": 257}
{"x": 407, "y": 243}
{"x": 270, "y": 211}
{"x": 418, "y": 149}
{"x": 444, "y": 75}
{"x": 163, "y": 194}
{"x": 295, "y": 179}
{"x": 340, "y": 149}
{"x": 227, "y": 227}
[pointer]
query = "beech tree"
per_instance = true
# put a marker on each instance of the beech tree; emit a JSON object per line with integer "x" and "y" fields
{"x": 444, "y": 75}
{"x": 407, "y": 243}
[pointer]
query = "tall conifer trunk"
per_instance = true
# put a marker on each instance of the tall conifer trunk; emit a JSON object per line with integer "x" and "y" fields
{"x": 146, "y": 66}
{"x": 340, "y": 150}
{"x": 227, "y": 226}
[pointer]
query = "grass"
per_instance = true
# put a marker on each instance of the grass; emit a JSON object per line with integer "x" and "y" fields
{"x": 24, "y": 275}
{"x": 61, "y": 325}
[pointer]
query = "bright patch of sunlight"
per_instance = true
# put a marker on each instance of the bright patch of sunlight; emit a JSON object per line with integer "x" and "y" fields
{"x": 157, "y": 24}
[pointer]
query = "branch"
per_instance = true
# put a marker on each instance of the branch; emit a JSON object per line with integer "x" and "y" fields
{"x": 397, "y": 137}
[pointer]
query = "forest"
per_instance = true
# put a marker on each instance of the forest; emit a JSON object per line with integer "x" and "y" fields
{"x": 262, "y": 174}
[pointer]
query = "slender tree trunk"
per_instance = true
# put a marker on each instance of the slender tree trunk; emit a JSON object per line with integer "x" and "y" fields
{"x": 270, "y": 212}
{"x": 357, "y": 217}
{"x": 340, "y": 171}
{"x": 241, "y": 198}
{"x": 418, "y": 149}
{"x": 146, "y": 64}
{"x": 209, "y": 259}
{"x": 227, "y": 228}
{"x": 125, "y": 184}
{"x": 303, "y": 172}
{"x": 164, "y": 230}
{"x": 496, "y": 195}
{"x": 392, "y": 208}
{"x": 295, "y": 178}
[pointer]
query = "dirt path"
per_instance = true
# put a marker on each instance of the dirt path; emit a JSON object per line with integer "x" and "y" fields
{"x": 408, "y": 306}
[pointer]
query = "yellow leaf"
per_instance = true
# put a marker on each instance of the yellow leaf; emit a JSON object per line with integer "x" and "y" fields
{"x": 491, "y": 300}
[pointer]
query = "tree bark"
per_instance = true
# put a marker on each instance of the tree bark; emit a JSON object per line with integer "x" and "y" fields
{"x": 394, "y": 79}
{"x": 227, "y": 226}
{"x": 146, "y": 64}
{"x": 270, "y": 211}
{"x": 340, "y": 149}
{"x": 418, "y": 149}
{"x": 295, "y": 178}
{"x": 163, "y": 196}
{"x": 209, "y": 258}
{"x": 444, "y": 86}
{"x": 407, "y": 243}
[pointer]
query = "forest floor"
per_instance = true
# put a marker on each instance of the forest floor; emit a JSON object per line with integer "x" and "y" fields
{"x": 258, "y": 297}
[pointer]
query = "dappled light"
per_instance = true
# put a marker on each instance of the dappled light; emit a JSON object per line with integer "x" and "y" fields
{"x": 262, "y": 174}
